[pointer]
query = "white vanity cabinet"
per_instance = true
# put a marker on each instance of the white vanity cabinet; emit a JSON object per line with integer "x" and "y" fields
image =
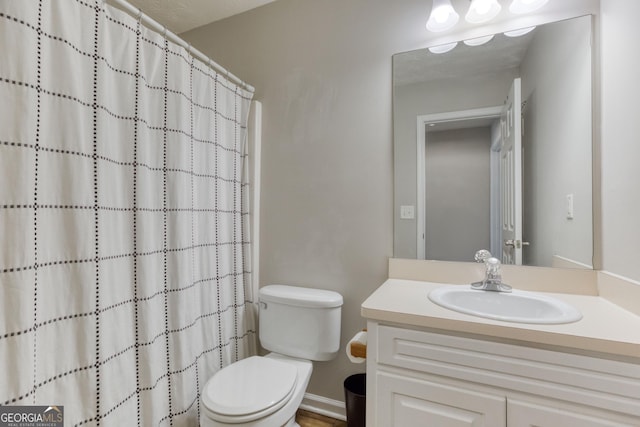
{"x": 417, "y": 377}
{"x": 548, "y": 414}
{"x": 405, "y": 400}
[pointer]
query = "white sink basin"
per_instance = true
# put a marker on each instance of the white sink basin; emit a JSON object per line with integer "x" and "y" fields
{"x": 517, "y": 306}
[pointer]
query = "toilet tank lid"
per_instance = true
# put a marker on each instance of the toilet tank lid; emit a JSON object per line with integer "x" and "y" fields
{"x": 298, "y": 296}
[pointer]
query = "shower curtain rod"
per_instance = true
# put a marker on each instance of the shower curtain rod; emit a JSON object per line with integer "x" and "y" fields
{"x": 162, "y": 29}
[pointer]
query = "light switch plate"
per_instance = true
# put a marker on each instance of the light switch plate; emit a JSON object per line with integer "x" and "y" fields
{"x": 569, "y": 206}
{"x": 407, "y": 212}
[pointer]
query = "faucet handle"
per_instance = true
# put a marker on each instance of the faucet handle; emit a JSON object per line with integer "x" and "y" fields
{"x": 482, "y": 255}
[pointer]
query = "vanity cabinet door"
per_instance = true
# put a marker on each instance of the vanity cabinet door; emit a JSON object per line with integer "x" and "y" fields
{"x": 416, "y": 402}
{"x": 539, "y": 414}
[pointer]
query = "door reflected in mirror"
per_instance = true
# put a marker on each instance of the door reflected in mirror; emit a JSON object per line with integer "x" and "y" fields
{"x": 454, "y": 119}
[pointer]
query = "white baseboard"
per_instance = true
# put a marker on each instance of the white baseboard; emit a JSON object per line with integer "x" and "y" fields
{"x": 324, "y": 406}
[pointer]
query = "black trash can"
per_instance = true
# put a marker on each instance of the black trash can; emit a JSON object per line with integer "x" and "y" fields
{"x": 355, "y": 391}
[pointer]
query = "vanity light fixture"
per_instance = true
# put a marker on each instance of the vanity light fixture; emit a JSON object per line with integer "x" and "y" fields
{"x": 442, "y": 16}
{"x": 526, "y": 6}
{"x": 520, "y": 32}
{"x": 482, "y": 11}
{"x": 478, "y": 40}
{"x": 444, "y": 48}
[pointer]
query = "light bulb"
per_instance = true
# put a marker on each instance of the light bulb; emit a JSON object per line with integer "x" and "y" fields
{"x": 482, "y": 7}
{"x": 442, "y": 16}
{"x": 478, "y": 40}
{"x": 520, "y": 32}
{"x": 443, "y": 48}
{"x": 482, "y": 11}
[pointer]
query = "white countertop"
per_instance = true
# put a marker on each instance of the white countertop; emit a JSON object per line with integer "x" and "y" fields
{"x": 604, "y": 328}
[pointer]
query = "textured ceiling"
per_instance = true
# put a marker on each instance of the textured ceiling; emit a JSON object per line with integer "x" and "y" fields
{"x": 183, "y": 15}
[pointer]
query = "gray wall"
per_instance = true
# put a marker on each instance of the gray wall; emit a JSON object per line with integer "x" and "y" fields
{"x": 323, "y": 72}
{"x": 556, "y": 82}
{"x": 457, "y": 193}
{"x": 620, "y": 138}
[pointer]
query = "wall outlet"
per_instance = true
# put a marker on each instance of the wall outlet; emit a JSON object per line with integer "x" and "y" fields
{"x": 407, "y": 212}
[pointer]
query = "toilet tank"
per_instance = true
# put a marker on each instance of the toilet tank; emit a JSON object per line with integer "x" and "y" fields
{"x": 300, "y": 322}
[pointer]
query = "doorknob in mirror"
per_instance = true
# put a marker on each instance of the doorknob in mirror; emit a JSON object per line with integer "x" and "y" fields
{"x": 515, "y": 243}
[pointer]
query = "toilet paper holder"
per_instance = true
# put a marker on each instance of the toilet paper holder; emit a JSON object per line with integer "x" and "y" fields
{"x": 358, "y": 349}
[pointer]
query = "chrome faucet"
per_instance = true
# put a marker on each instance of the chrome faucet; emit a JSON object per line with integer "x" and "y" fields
{"x": 493, "y": 277}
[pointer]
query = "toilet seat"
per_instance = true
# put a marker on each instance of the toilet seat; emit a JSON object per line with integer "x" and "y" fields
{"x": 249, "y": 389}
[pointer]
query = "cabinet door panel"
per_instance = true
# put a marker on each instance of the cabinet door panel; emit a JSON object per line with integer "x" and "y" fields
{"x": 530, "y": 414}
{"x": 410, "y": 411}
{"x": 414, "y": 402}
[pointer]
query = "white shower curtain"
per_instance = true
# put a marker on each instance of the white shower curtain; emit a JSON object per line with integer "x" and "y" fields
{"x": 124, "y": 270}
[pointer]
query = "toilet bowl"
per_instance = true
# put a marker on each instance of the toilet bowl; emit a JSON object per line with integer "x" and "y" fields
{"x": 297, "y": 325}
{"x": 256, "y": 392}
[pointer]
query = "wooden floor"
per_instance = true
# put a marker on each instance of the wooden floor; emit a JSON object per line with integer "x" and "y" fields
{"x": 309, "y": 419}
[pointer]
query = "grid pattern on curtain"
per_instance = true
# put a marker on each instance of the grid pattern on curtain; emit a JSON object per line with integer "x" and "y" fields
{"x": 124, "y": 270}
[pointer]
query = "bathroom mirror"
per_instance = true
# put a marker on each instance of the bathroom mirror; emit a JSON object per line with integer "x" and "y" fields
{"x": 447, "y": 131}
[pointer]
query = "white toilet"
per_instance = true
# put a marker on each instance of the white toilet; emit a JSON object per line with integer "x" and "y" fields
{"x": 297, "y": 325}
